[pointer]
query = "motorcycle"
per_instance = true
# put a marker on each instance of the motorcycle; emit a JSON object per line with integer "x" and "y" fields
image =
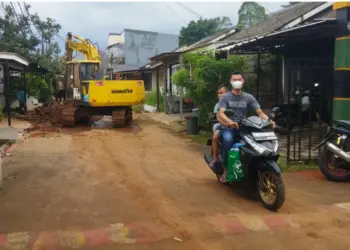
{"x": 258, "y": 152}
{"x": 334, "y": 159}
{"x": 304, "y": 103}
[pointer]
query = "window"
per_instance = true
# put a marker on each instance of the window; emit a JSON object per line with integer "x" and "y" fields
{"x": 90, "y": 71}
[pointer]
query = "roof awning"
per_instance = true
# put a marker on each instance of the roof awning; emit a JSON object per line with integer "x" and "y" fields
{"x": 275, "y": 40}
{"x": 153, "y": 65}
{"x": 13, "y": 57}
{"x": 163, "y": 55}
{"x": 14, "y": 61}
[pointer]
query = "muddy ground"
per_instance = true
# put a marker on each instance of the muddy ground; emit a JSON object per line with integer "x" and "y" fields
{"x": 147, "y": 188}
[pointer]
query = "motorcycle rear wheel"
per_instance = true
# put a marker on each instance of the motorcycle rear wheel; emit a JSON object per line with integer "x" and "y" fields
{"x": 332, "y": 173}
{"x": 271, "y": 190}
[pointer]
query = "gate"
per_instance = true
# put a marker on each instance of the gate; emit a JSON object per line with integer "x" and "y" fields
{"x": 308, "y": 109}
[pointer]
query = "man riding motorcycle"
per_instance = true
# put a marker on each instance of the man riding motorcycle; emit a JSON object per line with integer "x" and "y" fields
{"x": 240, "y": 102}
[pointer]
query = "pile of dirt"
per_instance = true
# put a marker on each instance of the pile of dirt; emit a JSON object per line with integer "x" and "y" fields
{"x": 42, "y": 114}
{"x": 42, "y": 120}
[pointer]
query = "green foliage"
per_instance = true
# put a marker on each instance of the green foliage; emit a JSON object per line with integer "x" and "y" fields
{"x": 197, "y": 30}
{"x": 250, "y": 13}
{"x": 151, "y": 98}
{"x": 137, "y": 108}
{"x": 36, "y": 87}
{"x": 207, "y": 75}
{"x": 32, "y": 38}
{"x": 182, "y": 78}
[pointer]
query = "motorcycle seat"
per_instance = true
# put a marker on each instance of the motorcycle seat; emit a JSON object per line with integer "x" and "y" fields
{"x": 343, "y": 123}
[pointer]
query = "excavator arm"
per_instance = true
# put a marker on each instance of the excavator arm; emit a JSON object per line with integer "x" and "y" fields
{"x": 81, "y": 45}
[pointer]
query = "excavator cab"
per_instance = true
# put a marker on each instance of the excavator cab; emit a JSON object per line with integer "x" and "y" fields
{"x": 78, "y": 75}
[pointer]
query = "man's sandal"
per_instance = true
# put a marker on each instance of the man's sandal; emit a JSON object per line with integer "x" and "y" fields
{"x": 212, "y": 164}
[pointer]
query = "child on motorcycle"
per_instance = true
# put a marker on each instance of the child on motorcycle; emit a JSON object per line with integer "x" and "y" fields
{"x": 216, "y": 127}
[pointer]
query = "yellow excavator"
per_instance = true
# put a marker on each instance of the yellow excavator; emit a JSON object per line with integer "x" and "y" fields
{"x": 88, "y": 94}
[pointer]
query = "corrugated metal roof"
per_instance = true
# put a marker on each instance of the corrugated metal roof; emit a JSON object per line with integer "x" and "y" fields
{"x": 326, "y": 14}
{"x": 272, "y": 37}
{"x": 275, "y": 21}
{"x": 207, "y": 40}
{"x": 123, "y": 67}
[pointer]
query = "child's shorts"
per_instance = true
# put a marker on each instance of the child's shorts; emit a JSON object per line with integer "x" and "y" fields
{"x": 216, "y": 126}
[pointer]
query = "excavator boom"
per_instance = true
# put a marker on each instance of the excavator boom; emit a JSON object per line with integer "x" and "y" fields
{"x": 83, "y": 46}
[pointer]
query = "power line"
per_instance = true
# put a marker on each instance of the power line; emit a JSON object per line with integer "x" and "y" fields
{"x": 174, "y": 12}
{"x": 28, "y": 24}
{"x": 58, "y": 35}
{"x": 26, "y": 8}
{"x": 30, "y": 18}
{"x": 189, "y": 9}
{"x": 19, "y": 24}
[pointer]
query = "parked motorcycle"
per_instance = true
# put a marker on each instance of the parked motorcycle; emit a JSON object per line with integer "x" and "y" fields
{"x": 257, "y": 146}
{"x": 334, "y": 159}
{"x": 305, "y": 103}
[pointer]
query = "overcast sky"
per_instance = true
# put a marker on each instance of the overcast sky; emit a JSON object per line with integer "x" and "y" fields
{"x": 97, "y": 20}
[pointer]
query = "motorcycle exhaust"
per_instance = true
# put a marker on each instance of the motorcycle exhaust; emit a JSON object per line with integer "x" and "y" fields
{"x": 337, "y": 151}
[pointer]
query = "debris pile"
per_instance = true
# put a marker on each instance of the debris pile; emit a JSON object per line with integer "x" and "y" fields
{"x": 103, "y": 121}
{"x": 42, "y": 114}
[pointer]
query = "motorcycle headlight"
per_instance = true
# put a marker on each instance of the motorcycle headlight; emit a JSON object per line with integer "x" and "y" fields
{"x": 275, "y": 145}
{"x": 257, "y": 147}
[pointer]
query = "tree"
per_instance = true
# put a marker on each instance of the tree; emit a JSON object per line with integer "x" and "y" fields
{"x": 250, "y": 13}
{"x": 207, "y": 75}
{"x": 32, "y": 38}
{"x": 197, "y": 30}
{"x": 27, "y": 35}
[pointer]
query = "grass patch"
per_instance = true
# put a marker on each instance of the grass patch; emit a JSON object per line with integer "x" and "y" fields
{"x": 151, "y": 98}
{"x": 298, "y": 167}
{"x": 137, "y": 108}
{"x": 295, "y": 167}
{"x": 202, "y": 137}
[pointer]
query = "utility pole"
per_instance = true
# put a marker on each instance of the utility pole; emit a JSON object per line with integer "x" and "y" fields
{"x": 341, "y": 94}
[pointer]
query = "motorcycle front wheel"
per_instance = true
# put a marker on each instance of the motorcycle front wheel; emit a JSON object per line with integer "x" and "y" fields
{"x": 271, "y": 190}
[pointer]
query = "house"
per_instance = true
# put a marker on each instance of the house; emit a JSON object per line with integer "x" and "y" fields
{"x": 131, "y": 49}
{"x": 165, "y": 65}
{"x": 288, "y": 18}
{"x": 303, "y": 39}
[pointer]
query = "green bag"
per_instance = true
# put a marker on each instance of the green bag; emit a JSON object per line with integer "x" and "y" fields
{"x": 234, "y": 170}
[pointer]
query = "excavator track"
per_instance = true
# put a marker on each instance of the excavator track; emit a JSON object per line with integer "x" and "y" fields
{"x": 56, "y": 111}
{"x": 122, "y": 117}
{"x": 68, "y": 116}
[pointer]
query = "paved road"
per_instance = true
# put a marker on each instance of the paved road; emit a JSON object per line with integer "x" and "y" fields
{"x": 146, "y": 188}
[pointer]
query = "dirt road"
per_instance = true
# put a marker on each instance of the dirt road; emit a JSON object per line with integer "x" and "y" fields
{"x": 146, "y": 188}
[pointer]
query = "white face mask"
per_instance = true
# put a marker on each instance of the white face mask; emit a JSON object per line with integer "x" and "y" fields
{"x": 237, "y": 84}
